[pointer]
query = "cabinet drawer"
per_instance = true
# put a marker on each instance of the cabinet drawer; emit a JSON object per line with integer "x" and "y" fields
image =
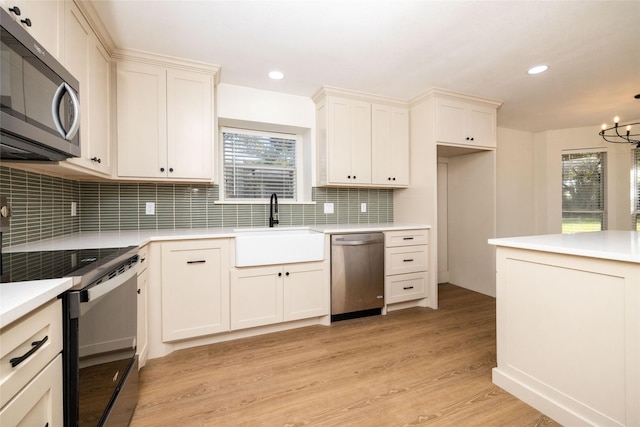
{"x": 406, "y": 238}
{"x": 408, "y": 259}
{"x": 40, "y": 402}
{"x": 44, "y": 326}
{"x": 405, "y": 287}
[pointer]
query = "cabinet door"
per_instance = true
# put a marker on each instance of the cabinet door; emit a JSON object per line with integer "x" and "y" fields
{"x": 99, "y": 108}
{"x": 450, "y": 121}
{"x": 142, "y": 120}
{"x": 360, "y": 142}
{"x": 189, "y": 124}
{"x": 389, "y": 146}
{"x": 195, "y": 289}
{"x": 47, "y": 18}
{"x": 142, "y": 334}
{"x": 338, "y": 135}
{"x": 482, "y": 126}
{"x": 39, "y": 403}
{"x": 306, "y": 292}
{"x": 256, "y": 296}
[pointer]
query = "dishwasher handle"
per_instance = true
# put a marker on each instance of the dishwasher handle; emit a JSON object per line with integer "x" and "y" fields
{"x": 357, "y": 239}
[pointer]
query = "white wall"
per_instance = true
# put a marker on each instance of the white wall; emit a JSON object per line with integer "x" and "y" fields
{"x": 471, "y": 194}
{"x": 548, "y": 149}
{"x": 515, "y": 184}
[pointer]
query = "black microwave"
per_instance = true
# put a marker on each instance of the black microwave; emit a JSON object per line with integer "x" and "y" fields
{"x": 39, "y": 100}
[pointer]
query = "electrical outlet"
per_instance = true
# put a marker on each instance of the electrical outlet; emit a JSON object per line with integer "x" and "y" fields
{"x": 328, "y": 208}
{"x": 363, "y": 207}
{"x": 74, "y": 208}
{"x": 150, "y": 208}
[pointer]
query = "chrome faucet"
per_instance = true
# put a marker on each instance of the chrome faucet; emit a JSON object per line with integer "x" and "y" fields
{"x": 274, "y": 199}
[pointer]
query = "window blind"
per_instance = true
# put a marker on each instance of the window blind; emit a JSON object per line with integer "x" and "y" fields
{"x": 636, "y": 188}
{"x": 257, "y": 165}
{"x": 583, "y": 192}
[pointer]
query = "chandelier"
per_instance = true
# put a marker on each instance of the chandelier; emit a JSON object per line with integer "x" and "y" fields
{"x": 626, "y": 133}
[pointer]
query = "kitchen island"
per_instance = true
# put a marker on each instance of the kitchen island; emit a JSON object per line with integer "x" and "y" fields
{"x": 568, "y": 325}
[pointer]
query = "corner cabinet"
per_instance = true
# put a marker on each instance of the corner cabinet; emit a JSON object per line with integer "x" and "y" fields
{"x": 195, "y": 288}
{"x": 281, "y": 293}
{"x": 362, "y": 141}
{"x": 165, "y": 119}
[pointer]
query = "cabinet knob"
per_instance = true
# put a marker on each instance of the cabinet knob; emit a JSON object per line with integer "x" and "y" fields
{"x": 138, "y": 291}
{"x": 287, "y": 273}
{"x": 161, "y": 169}
{"x": 97, "y": 160}
{"x": 170, "y": 169}
{"x": 389, "y": 179}
{"x": 354, "y": 177}
{"x": 348, "y": 176}
{"x": 15, "y": 10}
{"x": 279, "y": 274}
{"x": 394, "y": 178}
{"x": 472, "y": 139}
{"x": 26, "y": 22}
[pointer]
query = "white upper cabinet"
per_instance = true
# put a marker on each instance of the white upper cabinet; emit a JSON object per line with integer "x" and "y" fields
{"x": 361, "y": 141}
{"x": 165, "y": 122}
{"x": 463, "y": 122}
{"x": 389, "y": 146}
{"x": 89, "y": 62}
{"x": 43, "y": 19}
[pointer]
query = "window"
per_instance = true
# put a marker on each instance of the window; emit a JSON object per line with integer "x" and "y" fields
{"x": 636, "y": 189}
{"x": 257, "y": 164}
{"x": 583, "y": 192}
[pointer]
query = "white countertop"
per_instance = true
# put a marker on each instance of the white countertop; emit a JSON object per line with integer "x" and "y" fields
{"x": 615, "y": 245}
{"x": 20, "y": 298}
{"x": 119, "y": 239}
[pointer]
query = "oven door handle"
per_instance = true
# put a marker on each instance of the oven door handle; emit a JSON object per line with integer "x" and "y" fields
{"x": 104, "y": 288}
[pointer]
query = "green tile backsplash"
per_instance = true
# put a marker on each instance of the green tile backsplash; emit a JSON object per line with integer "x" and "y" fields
{"x": 41, "y": 207}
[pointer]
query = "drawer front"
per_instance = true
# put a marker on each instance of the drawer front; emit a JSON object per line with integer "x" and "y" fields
{"x": 406, "y": 238}
{"x": 408, "y": 259}
{"x": 405, "y": 287}
{"x": 39, "y": 332}
{"x": 40, "y": 402}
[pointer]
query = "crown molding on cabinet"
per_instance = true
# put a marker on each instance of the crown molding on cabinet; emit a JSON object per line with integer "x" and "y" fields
{"x": 361, "y": 96}
{"x": 96, "y": 24}
{"x": 162, "y": 60}
{"x": 445, "y": 93}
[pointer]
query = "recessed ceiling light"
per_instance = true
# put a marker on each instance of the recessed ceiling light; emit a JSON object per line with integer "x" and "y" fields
{"x": 538, "y": 69}
{"x": 276, "y": 75}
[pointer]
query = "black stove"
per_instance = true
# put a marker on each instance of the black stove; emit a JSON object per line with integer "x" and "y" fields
{"x": 83, "y": 265}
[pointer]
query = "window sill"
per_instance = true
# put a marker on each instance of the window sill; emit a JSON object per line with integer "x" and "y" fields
{"x": 261, "y": 202}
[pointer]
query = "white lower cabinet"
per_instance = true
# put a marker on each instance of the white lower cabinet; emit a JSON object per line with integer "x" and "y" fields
{"x": 195, "y": 288}
{"x": 142, "y": 348}
{"x": 40, "y": 402}
{"x": 273, "y": 294}
{"x": 31, "y": 369}
{"x": 406, "y": 265}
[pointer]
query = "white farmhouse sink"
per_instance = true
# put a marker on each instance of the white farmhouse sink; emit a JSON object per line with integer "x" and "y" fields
{"x": 268, "y": 246}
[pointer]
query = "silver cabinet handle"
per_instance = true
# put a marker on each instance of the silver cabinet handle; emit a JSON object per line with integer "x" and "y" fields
{"x": 55, "y": 105}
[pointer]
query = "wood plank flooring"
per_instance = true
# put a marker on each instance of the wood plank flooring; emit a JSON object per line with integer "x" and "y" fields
{"x": 409, "y": 368}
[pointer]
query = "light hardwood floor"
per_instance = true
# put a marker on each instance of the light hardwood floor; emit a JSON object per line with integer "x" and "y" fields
{"x": 411, "y": 367}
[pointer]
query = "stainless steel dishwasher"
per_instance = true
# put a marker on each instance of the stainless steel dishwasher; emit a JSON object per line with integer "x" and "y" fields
{"x": 357, "y": 275}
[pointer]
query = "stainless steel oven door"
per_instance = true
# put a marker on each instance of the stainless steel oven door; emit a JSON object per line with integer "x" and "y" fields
{"x": 106, "y": 315}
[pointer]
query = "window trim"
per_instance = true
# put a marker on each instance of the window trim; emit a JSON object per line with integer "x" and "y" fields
{"x": 299, "y": 167}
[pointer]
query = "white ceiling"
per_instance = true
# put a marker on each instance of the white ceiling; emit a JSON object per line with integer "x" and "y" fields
{"x": 403, "y": 48}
